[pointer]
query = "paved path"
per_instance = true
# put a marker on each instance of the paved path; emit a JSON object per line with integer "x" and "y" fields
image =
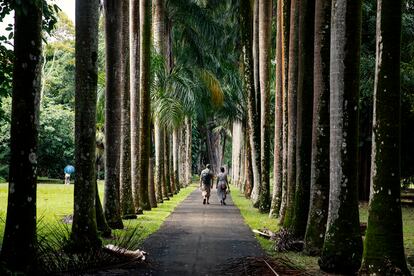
{"x": 195, "y": 239}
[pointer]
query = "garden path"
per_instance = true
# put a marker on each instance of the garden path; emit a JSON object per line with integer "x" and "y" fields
{"x": 195, "y": 239}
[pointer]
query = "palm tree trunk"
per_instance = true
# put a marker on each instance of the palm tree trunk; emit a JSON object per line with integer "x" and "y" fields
{"x": 278, "y": 138}
{"x": 113, "y": 93}
{"x": 265, "y": 24}
{"x": 101, "y": 223}
{"x": 19, "y": 239}
{"x": 160, "y": 48}
{"x": 248, "y": 87}
{"x": 237, "y": 143}
{"x": 384, "y": 244}
{"x": 248, "y": 168}
{"x": 84, "y": 228}
{"x": 188, "y": 154}
{"x": 304, "y": 117}
{"x": 145, "y": 109}
{"x": 285, "y": 61}
{"x": 181, "y": 157}
{"x": 167, "y": 169}
{"x": 256, "y": 57}
{"x": 319, "y": 191}
{"x": 151, "y": 184}
{"x": 134, "y": 50}
{"x": 127, "y": 205}
{"x": 159, "y": 160}
{"x": 175, "y": 153}
{"x": 292, "y": 111}
{"x": 342, "y": 247}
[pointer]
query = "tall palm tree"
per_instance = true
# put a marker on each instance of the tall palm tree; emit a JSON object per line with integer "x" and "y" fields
{"x": 113, "y": 91}
{"x": 292, "y": 108}
{"x": 304, "y": 117}
{"x": 248, "y": 87}
{"x": 160, "y": 48}
{"x": 256, "y": 57}
{"x": 342, "y": 247}
{"x": 319, "y": 190}
{"x": 126, "y": 201}
{"x": 384, "y": 245}
{"x": 19, "y": 239}
{"x": 145, "y": 108}
{"x": 84, "y": 228}
{"x": 265, "y": 25}
{"x": 278, "y": 137}
{"x": 285, "y": 61}
{"x": 134, "y": 50}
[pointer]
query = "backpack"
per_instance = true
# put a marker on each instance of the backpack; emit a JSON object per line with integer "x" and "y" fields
{"x": 223, "y": 186}
{"x": 205, "y": 177}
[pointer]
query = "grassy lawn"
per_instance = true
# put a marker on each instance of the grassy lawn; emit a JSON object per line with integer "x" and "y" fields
{"x": 56, "y": 200}
{"x": 256, "y": 220}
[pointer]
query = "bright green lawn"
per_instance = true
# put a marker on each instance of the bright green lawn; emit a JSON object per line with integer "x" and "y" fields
{"x": 56, "y": 200}
{"x": 257, "y": 220}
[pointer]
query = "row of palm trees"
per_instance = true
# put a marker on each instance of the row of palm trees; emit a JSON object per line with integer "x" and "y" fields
{"x": 149, "y": 100}
{"x": 316, "y": 130}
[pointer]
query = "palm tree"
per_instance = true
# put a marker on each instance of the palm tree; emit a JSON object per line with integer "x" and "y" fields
{"x": 167, "y": 191}
{"x": 278, "y": 137}
{"x": 134, "y": 50}
{"x": 292, "y": 107}
{"x": 304, "y": 117}
{"x": 384, "y": 245}
{"x": 19, "y": 241}
{"x": 248, "y": 87}
{"x": 319, "y": 191}
{"x": 160, "y": 48}
{"x": 126, "y": 201}
{"x": 188, "y": 155}
{"x": 145, "y": 109}
{"x": 265, "y": 24}
{"x": 285, "y": 27}
{"x": 342, "y": 247}
{"x": 113, "y": 93}
{"x": 84, "y": 228}
{"x": 256, "y": 57}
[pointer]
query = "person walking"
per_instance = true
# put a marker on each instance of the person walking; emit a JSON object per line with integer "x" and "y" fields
{"x": 206, "y": 179}
{"x": 222, "y": 186}
{"x": 68, "y": 170}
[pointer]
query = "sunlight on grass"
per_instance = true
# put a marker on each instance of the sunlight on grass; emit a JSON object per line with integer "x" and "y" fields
{"x": 54, "y": 201}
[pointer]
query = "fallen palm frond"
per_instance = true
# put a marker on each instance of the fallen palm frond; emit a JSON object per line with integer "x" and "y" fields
{"x": 53, "y": 256}
{"x": 286, "y": 241}
{"x": 266, "y": 233}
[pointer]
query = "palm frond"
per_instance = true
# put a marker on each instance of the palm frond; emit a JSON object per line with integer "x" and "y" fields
{"x": 214, "y": 87}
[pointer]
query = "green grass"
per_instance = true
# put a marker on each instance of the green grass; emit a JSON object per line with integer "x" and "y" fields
{"x": 56, "y": 200}
{"x": 256, "y": 220}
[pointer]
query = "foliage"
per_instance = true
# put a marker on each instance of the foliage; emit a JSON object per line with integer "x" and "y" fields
{"x": 5, "y": 106}
{"x": 56, "y": 140}
{"x": 6, "y": 41}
